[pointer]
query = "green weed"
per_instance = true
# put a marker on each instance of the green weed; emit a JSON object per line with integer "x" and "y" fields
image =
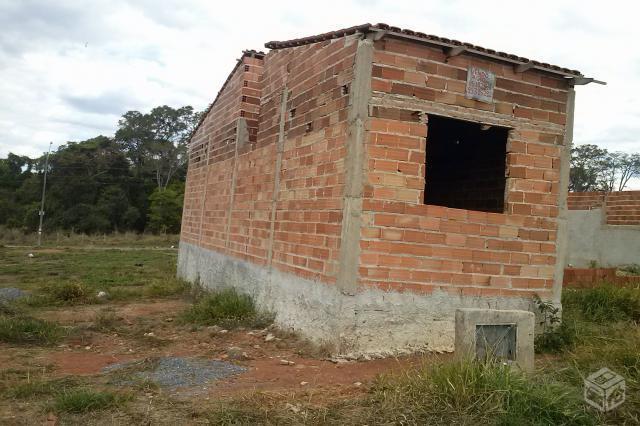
{"x": 228, "y": 308}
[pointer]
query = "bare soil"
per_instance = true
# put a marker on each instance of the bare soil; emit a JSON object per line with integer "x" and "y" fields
{"x": 147, "y": 330}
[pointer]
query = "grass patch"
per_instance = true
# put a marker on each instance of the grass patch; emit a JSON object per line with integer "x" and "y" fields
{"x": 227, "y": 308}
{"x": 605, "y": 303}
{"x": 23, "y": 329}
{"x": 35, "y": 386}
{"x": 85, "y": 400}
{"x": 71, "y": 276}
{"x": 10, "y": 236}
{"x": 478, "y": 392}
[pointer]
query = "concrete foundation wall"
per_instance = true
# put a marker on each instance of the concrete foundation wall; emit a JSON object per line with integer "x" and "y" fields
{"x": 592, "y": 240}
{"x": 370, "y": 322}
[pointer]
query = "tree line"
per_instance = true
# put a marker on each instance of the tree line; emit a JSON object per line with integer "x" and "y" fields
{"x": 596, "y": 169}
{"x": 131, "y": 181}
{"x": 134, "y": 180}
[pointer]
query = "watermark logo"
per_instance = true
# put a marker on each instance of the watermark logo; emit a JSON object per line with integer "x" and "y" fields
{"x": 604, "y": 390}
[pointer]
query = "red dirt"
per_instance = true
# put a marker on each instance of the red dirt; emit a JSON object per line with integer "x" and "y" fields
{"x": 89, "y": 352}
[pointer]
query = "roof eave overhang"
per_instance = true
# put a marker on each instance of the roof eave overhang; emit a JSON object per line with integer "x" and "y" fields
{"x": 453, "y": 49}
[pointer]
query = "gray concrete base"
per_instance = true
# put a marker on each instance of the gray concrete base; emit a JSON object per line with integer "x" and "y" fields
{"x": 370, "y": 322}
{"x": 468, "y": 319}
{"x": 591, "y": 240}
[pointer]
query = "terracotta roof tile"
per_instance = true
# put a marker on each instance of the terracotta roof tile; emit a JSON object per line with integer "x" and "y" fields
{"x": 443, "y": 41}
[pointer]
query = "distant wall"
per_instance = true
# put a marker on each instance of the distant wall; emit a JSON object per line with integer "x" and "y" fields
{"x": 621, "y": 208}
{"x": 604, "y": 228}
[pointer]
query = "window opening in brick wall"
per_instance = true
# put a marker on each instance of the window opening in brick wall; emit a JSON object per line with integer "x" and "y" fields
{"x": 465, "y": 164}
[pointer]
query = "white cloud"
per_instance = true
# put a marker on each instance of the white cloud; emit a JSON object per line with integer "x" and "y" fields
{"x": 69, "y": 69}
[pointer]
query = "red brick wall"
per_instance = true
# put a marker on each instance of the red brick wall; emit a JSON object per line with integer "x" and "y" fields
{"x": 622, "y": 208}
{"x": 205, "y": 217}
{"x": 585, "y": 200}
{"x": 308, "y": 202}
{"x": 407, "y": 245}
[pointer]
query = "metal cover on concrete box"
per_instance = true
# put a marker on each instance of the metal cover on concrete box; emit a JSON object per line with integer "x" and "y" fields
{"x": 507, "y": 334}
{"x": 496, "y": 341}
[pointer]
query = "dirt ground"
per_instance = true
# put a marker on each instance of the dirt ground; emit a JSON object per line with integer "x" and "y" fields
{"x": 139, "y": 331}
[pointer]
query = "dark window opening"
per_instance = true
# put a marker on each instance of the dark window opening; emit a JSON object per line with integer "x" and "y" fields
{"x": 465, "y": 165}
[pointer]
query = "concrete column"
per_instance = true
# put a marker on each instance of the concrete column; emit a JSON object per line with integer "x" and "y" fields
{"x": 204, "y": 194}
{"x": 242, "y": 138}
{"x": 562, "y": 233}
{"x": 360, "y": 94}
{"x": 276, "y": 179}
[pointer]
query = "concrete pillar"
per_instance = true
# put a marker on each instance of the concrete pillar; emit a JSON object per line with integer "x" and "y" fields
{"x": 242, "y": 138}
{"x": 360, "y": 94}
{"x": 276, "y": 179}
{"x": 562, "y": 233}
{"x": 204, "y": 193}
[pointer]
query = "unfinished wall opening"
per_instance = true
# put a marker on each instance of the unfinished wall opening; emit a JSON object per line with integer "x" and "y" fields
{"x": 465, "y": 165}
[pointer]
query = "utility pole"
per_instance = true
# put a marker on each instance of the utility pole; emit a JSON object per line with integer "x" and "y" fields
{"x": 44, "y": 188}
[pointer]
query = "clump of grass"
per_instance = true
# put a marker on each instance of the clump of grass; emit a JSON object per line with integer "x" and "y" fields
{"x": 482, "y": 392}
{"x": 228, "y": 308}
{"x": 168, "y": 287}
{"x": 106, "y": 320}
{"x": 23, "y": 329}
{"x": 85, "y": 400}
{"x": 37, "y": 386}
{"x": 68, "y": 292}
{"x": 605, "y": 303}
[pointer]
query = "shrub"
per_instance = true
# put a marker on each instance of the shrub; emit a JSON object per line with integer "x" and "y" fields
{"x": 555, "y": 336}
{"x": 605, "y": 303}
{"x": 226, "y": 307}
{"x": 557, "y": 339}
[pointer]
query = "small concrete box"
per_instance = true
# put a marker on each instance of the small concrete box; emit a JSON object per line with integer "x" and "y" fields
{"x": 504, "y": 334}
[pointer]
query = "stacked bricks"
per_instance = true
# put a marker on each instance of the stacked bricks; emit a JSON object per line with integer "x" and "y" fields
{"x": 409, "y": 246}
{"x": 212, "y": 155}
{"x": 622, "y": 207}
{"x": 277, "y": 200}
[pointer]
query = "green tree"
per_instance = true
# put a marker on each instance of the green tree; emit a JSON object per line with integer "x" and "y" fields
{"x": 14, "y": 171}
{"x": 155, "y": 143}
{"x": 596, "y": 169}
{"x": 587, "y": 165}
{"x": 165, "y": 211}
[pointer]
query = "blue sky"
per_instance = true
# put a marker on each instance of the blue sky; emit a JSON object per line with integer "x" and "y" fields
{"x": 70, "y": 69}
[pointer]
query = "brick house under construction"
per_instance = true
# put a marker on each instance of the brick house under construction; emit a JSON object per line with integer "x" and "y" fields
{"x": 363, "y": 184}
